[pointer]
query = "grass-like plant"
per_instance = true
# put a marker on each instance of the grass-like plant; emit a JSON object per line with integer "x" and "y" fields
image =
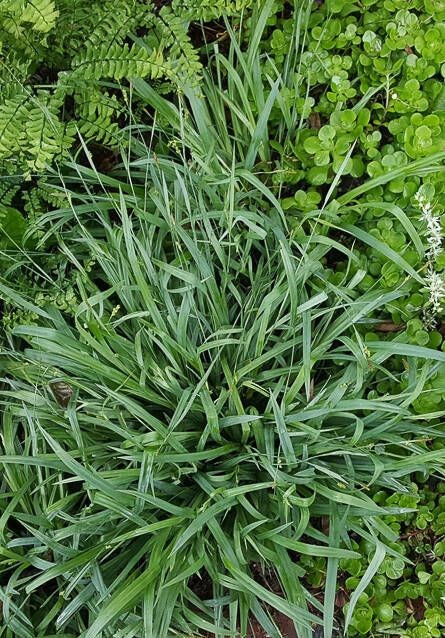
{"x": 204, "y": 415}
{"x": 202, "y": 418}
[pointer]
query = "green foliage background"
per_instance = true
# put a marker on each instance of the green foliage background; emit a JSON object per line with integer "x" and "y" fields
{"x": 370, "y": 90}
{"x": 212, "y": 306}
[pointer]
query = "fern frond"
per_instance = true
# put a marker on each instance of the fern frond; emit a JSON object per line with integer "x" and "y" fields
{"x": 118, "y": 62}
{"x": 41, "y": 14}
{"x": 92, "y": 23}
{"x": 14, "y": 74}
{"x": 97, "y": 113}
{"x": 40, "y": 197}
{"x": 9, "y": 187}
{"x": 113, "y": 22}
{"x": 207, "y": 10}
{"x": 30, "y": 128}
{"x": 10, "y": 25}
{"x": 12, "y": 6}
{"x": 46, "y": 135}
{"x": 76, "y": 21}
{"x": 12, "y": 115}
{"x": 173, "y": 34}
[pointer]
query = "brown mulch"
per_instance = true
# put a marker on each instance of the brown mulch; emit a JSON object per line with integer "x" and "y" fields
{"x": 284, "y": 624}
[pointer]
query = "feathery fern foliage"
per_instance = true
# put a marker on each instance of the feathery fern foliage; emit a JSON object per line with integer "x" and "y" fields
{"x": 65, "y": 60}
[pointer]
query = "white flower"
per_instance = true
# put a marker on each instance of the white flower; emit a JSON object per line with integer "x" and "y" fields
{"x": 436, "y": 289}
{"x": 429, "y": 320}
{"x": 434, "y": 229}
{"x": 435, "y": 285}
{"x": 434, "y": 281}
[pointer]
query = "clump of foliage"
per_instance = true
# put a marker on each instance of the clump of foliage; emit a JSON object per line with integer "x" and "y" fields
{"x": 191, "y": 416}
{"x": 223, "y": 354}
{"x": 368, "y": 81}
{"x": 406, "y": 595}
{"x": 358, "y": 91}
{"x": 67, "y": 65}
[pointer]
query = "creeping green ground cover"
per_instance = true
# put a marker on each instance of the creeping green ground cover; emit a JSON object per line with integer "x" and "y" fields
{"x": 222, "y": 371}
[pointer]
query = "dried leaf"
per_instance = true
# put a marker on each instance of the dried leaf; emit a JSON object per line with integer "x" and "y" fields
{"x": 62, "y": 392}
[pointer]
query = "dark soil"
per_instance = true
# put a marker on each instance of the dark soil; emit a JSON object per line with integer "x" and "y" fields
{"x": 284, "y": 624}
{"x": 202, "y": 587}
